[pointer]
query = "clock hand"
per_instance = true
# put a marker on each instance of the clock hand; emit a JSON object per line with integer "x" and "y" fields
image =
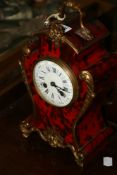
{"x": 61, "y": 93}
{"x": 53, "y": 84}
{"x": 58, "y": 88}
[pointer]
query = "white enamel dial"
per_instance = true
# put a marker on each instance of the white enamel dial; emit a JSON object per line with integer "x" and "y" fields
{"x": 53, "y": 83}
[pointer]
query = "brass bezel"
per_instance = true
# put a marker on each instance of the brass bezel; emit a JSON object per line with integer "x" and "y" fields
{"x": 70, "y": 74}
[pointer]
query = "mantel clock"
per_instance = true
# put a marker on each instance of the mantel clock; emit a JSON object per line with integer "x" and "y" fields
{"x": 68, "y": 72}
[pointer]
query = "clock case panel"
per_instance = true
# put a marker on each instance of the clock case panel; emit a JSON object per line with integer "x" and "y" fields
{"x": 62, "y": 127}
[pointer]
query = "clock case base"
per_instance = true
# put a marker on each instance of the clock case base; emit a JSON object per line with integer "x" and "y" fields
{"x": 56, "y": 125}
{"x": 82, "y": 155}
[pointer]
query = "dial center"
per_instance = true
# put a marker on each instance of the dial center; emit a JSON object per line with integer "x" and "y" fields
{"x": 52, "y": 83}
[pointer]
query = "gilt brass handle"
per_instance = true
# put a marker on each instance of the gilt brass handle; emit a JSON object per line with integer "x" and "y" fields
{"x": 56, "y": 30}
{"x": 88, "y": 79}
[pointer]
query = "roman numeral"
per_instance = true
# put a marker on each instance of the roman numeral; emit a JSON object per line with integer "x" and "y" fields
{"x": 43, "y": 72}
{"x": 54, "y": 69}
{"x": 65, "y": 89}
{"x": 59, "y": 97}
{"x": 52, "y": 96}
{"x": 59, "y": 74}
{"x": 48, "y": 69}
{"x": 42, "y": 78}
{"x": 47, "y": 91}
{"x": 64, "y": 81}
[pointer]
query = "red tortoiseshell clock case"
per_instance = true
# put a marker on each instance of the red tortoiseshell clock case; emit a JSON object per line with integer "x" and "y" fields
{"x": 63, "y": 127}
